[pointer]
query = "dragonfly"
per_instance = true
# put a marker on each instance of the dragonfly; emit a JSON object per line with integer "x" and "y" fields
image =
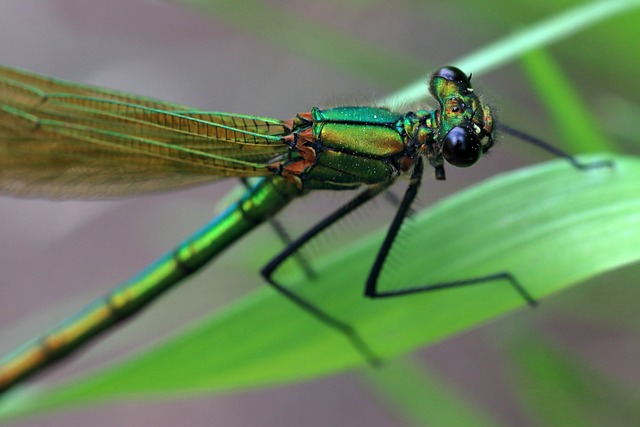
{"x": 63, "y": 140}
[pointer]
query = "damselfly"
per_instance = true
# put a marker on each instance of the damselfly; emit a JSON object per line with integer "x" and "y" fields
{"x": 65, "y": 140}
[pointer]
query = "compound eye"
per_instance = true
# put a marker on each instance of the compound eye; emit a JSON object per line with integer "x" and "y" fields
{"x": 453, "y": 74}
{"x": 461, "y": 147}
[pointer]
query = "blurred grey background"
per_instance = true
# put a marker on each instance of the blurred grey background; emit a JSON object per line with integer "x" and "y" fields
{"x": 56, "y": 256}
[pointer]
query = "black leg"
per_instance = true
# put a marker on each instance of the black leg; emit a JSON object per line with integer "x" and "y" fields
{"x": 267, "y": 272}
{"x": 456, "y": 284}
{"x": 395, "y": 202}
{"x": 285, "y": 237}
{"x": 398, "y": 219}
{"x": 359, "y": 200}
{"x": 554, "y": 150}
{"x": 371, "y": 287}
{"x": 349, "y": 332}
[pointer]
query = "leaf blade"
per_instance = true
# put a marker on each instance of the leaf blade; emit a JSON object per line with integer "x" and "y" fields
{"x": 540, "y": 222}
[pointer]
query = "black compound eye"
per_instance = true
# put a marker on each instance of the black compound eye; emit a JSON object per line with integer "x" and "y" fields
{"x": 461, "y": 147}
{"x": 453, "y": 74}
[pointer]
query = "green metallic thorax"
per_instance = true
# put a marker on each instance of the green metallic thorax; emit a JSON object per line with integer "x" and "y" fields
{"x": 346, "y": 147}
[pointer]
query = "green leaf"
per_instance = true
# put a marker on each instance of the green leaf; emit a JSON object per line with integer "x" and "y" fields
{"x": 569, "y": 113}
{"x": 560, "y": 390}
{"x": 424, "y": 398}
{"x": 543, "y": 33}
{"x": 551, "y": 226}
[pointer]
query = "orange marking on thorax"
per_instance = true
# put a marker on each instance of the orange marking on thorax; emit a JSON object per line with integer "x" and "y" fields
{"x": 300, "y": 141}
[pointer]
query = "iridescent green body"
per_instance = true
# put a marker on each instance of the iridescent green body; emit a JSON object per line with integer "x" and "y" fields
{"x": 355, "y": 146}
{"x": 63, "y": 140}
{"x": 262, "y": 201}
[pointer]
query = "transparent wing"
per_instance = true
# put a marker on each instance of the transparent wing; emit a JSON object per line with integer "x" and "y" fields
{"x": 64, "y": 140}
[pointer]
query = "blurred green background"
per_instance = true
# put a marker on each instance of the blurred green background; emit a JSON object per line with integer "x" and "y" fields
{"x": 573, "y": 361}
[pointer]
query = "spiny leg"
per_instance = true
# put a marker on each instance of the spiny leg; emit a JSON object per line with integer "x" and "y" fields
{"x": 285, "y": 238}
{"x": 371, "y": 287}
{"x": 395, "y": 201}
{"x": 328, "y": 221}
{"x": 267, "y": 272}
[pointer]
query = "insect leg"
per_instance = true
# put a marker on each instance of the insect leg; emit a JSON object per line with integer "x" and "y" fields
{"x": 553, "y": 150}
{"x": 371, "y": 287}
{"x": 267, "y": 272}
{"x": 285, "y": 238}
